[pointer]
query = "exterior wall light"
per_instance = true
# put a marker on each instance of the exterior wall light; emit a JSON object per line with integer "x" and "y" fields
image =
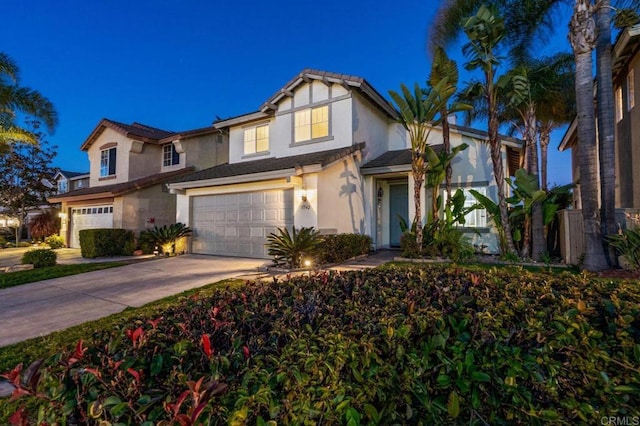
{"x": 380, "y": 195}
{"x": 305, "y": 201}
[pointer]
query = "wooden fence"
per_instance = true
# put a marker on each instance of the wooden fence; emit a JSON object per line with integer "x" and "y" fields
{"x": 572, "y": 235}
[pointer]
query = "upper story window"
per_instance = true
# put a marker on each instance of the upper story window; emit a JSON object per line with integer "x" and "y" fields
{"x": 618, "y": 96}
{"x": 311, "y": 123}
{"x": 631, "y": 92}
{"x": 108, "y": 162}
{"x": 62, "y": 186}
{"x": 170, "y": 157}
{"x": 256, "y": 139}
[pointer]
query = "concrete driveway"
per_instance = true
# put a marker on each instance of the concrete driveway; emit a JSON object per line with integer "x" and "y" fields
{"x": 37, "y": 309}
{"x": 66, "y": 256}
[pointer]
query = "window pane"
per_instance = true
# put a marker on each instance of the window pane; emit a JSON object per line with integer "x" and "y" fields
{"x": 303, "y": 125}
{"x": 618, "y": 104}
{"x": 262, "y": 138}
{"x": 250, "y": 140}
{"x": 175, "y": 157}
{"x": 112, "y": 161}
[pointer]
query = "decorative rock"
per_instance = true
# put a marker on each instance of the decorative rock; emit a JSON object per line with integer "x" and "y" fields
{"x": 16, "y": 268}
{"x": 6, "y": 389}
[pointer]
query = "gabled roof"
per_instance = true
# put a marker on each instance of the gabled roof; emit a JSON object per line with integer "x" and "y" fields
{"x": 143, "y": 133}
{"x": 71, "y": 175}
{"x": 627, "y": 45}
{"x": 136, "y": 131}
{"x": 400, "y": 160}
{"x": 289, "y": 164}
{"x": 348, "y": 81}
{"x": 118, "y": 189}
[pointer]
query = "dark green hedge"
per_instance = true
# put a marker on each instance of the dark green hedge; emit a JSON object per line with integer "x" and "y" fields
{"x": 106, "y": 242}
{"x": 40, "y": 258}
{"x": 340, "y": 247}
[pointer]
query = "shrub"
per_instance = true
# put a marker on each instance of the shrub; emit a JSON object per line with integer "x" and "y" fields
{"x": 106, "y": 242}
{"x": 288, "y": 249}
{"x": 24, "y": 244}
{"x": 54, "y": 241}
{"x": 145, "y": 242}
{"x": 40, "y": 258}
{"x": 340, "y": 247}
{"x": 627, "y": 244}
{"x": 166, "y": 237}
{"x": 429, "y": 345}
{"x": 46, "y": 223}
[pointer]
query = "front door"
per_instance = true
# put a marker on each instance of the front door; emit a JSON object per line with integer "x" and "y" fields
{"x": 398, "y": 208}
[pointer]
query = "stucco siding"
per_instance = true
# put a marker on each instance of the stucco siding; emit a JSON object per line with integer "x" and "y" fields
{"x": 340, "y": 197}
{"x": 370, "y": 126}
{"x": 151, "y": 202}
{"x": 122, "y": 158}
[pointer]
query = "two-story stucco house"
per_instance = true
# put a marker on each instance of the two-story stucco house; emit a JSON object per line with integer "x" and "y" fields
{"x": 324, "y": 151}
{"x": 129, "y": 167}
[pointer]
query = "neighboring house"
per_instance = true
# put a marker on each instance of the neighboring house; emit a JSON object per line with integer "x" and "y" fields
{"x": 626, "y": 75}
{"x": 70, "y": 181}
{"x": 324, "y": 151}
{"x": 129, "y": 167}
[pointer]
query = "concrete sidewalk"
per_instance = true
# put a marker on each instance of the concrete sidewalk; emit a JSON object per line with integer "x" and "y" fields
{"x": 37, "y": 309}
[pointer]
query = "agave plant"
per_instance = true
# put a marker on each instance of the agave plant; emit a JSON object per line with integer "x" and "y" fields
{"x": 168, "y": 235}
{"x": 289, "y": 249}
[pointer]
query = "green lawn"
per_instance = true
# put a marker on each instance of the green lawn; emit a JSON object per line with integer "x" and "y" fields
{"x": 24, "y": 277}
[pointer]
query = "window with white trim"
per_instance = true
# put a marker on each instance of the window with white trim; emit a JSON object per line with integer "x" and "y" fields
{"x": 108, "y": 162}
{"x": 631, "y": 92}
{"x": 62, "y": 186}
{"x": 478, "y": 217}
{"x": 170, "y": 156}
{"x": 618, "y": 97}
{"x": 312, "y": 123}
{"x": 256, "y": 139}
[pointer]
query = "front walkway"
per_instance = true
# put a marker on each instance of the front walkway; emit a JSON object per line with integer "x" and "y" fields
{"x": 37, "y": 309}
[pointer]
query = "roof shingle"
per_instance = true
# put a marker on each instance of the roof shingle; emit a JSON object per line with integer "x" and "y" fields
{"x": 322, "y": 158}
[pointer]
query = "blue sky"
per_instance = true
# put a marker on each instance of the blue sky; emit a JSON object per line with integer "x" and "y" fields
{"x": 179, "y": 64}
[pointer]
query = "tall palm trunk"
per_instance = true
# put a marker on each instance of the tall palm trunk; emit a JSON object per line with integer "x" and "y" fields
{"x": 545, "y": 138}
{"x": 538, "y": 246}
{"x": 446, "y": 142}
{"x": 418, "y": 180}
{"x": 582, "y": 38}
{"x": 496, "y": 159}
{"x": 606, "y": 126}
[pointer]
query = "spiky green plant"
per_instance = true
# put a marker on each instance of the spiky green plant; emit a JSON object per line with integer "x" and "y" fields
{"x": 288, "y": 249}
{"x": 627, "y": 244}
{"x": 166, "y": 236}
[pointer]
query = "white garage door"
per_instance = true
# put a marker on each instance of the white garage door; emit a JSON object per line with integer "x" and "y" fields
{"x": 89, "y": 218}
{"x": 238, "y": 224}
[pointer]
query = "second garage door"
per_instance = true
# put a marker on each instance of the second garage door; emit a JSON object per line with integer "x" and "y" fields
{"x": 89, "y": 218}
{"x": 238, "y": 224}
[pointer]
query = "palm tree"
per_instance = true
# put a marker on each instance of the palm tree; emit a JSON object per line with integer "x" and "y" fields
{"x": 443, "y": 67}
{"x": 556, "y": 105}
{"x": 582, "y": 38}
{"x": 606, "y": 126}
{"x": 18, "y": 99}
{"x": 418, "y": 112}
{"x": 485, "y": 31}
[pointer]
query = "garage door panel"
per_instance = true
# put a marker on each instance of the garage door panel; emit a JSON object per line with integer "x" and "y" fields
{"x": 239, "y": 223}
{"x": 89, "y": 218}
